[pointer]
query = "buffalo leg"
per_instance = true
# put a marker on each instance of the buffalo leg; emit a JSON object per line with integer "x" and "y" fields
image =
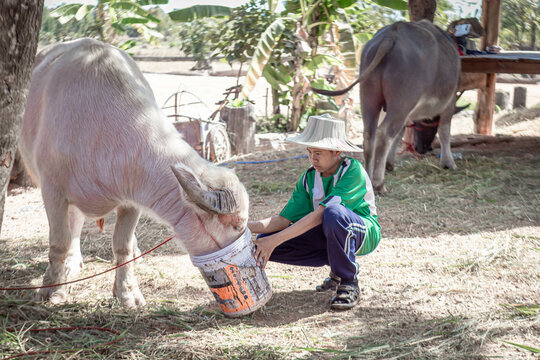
{"x": 56, "y": 206}
{"x": 370, "y": 115}
{"x": 125, "y": 287}
{"x": 74, "y": 261}
{"x": 447, "y": 161}
{"x": 392, "y": 153}
{"x": 386, "y": 134}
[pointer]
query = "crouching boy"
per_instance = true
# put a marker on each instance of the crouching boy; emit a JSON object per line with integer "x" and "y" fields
{"x": 332, "y": 212}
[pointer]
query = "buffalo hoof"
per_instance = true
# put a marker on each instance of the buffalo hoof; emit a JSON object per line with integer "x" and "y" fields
{"x": 127, "y": 292}
{"x": 448, "y": 165}
{"x": 380, "y": 190}
{"x": 132, "y": 299}
{"x": 52, "y": 295}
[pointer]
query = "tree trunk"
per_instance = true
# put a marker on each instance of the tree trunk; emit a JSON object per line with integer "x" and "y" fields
{"x": 533, "y": 36}
{"x": 422, "y": 9}
{"x": 19, "y": 176}
{"x": 20, "y": 21}
{"x": 298, "y": 87}
{"x": 275, "y": 102}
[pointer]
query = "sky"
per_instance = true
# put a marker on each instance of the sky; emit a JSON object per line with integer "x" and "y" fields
{"x": 468, "y": 6}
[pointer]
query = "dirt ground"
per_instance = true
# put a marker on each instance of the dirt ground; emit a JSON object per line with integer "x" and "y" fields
{"x": 456, "y": 276}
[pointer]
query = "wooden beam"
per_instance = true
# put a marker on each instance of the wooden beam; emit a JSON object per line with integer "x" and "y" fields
{"x": 470, "y": 81}
{"x": 487, "y": 64}
{"x": 491, "y": 18}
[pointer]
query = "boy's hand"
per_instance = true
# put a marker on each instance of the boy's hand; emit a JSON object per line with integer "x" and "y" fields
{"x": 264, "y": 248}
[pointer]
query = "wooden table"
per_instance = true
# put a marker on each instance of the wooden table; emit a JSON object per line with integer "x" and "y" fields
{"x": 479, "y": 72}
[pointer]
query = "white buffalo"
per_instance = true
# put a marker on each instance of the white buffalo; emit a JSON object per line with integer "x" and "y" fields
{"x": 95, "y": 141}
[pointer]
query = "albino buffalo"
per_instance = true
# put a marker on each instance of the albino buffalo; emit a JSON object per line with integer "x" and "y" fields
{"x": 95, "y": 141}
{"x": 411, "y": 70}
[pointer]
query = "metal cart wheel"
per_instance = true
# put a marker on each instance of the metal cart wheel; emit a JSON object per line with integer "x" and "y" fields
{"x": 217, "y": 147}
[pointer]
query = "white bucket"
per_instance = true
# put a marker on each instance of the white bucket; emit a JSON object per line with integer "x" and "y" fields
{"x": 238, "y": 284}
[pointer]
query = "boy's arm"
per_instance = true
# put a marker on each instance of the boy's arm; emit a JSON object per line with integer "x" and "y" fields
{"x": 268, "y": 225}
{"x": 267, "y": 244}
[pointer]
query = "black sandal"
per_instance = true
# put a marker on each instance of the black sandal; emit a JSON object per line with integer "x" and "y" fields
{"x": 346, "y": 297}
{"x": 330, "y": 283}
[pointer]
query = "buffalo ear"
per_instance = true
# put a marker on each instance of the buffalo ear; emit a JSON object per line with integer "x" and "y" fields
{"x": 220, "y": 201}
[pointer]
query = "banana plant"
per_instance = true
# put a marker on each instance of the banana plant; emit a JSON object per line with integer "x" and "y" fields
{"x": 112, "y": 17}
{"x": 265, "y": 47}
{"x": 313, "y": 18}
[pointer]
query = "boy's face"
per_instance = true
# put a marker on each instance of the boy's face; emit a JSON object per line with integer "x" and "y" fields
{"x": 324, "y": 161}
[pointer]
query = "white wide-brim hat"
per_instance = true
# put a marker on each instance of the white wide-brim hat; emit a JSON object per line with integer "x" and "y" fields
{"x": 325, "y": 132}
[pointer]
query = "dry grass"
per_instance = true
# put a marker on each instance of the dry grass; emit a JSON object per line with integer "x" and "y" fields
{"x": 457, "y": 276}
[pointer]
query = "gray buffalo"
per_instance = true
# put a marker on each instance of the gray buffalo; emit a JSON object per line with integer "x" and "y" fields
{"x": 411, "y": 71}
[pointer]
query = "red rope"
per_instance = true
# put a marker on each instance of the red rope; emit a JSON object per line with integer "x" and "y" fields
{"x": 63, "y": 329}
{"x": 91, "y": 276}
{"x": 409, "y": 146}
{"x": 76, "y": 327}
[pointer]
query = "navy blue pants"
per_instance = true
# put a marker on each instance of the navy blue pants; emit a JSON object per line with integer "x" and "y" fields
{"x": 332, "y": 243}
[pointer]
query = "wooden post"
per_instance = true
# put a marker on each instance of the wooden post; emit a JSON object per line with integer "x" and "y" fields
{"x": 491, "y": 18}
{"x": 240, "y": 128}
{"x": 520, "y": 97}
{"x": 502, "y": 99}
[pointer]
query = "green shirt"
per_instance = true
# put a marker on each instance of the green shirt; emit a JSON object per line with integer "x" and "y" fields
{"x": 349, "y": 186}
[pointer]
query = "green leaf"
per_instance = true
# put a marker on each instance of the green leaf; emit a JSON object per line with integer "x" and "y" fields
{"x": 330, "y": 59}
{"x": 83, "y": 11}
{"x": 127, "y": 45}
{"x": 152, "y": 2}
{"x": 393, "y": 4}
{"x": 346, "y": 3}
{"x": 264, "y": 49}
{"x": 65, "y": 10}
{"x": 148, "y": 33}
{"x": 275, "y": 78}
{"x": 65, "y": 13}
{"x": 133, "y": 20}
{"x": 531, "y": 349}
{"x": 238, "y": 102}
{"x": 199, "y": 11}
{"x": 134, "y": 8}
{"x": 321, "y": 83}
{"x": 124, "y": 5}
{"x": 311, "y": 66}
{"x": 118, "y": 26}
{"x": 284, "y": 73}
